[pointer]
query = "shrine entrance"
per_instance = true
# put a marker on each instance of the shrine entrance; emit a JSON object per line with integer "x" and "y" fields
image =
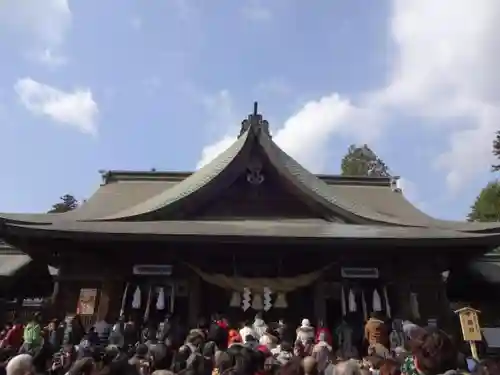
{"x": 152, "y": 293}
{"x": 240, "y": 298}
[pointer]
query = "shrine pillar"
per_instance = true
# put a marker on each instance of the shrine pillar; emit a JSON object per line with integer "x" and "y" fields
{"x": 319, "y": 301}
{"x": 194, "y": 298}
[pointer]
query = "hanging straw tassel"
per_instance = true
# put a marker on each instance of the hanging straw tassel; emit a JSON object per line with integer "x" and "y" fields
{"x": 363, "y": 305}
{"x": 280, "y": 302}
{"x": 136, "y": 299}
{"x": 172, "y": 298}
{"x": 352, "y": 301}
{"x": 387, "y": 306}
{"x": 342, "y": 301}
{"x": 148, "y": 304}
{"x": 235, "y": 299}
{"x": 124, "y": 299}
{"x": 414, "y": 305}
{"x": 377, "y": 303}
{"x": 160, "y": 302}
{"x": 257, "y": 303}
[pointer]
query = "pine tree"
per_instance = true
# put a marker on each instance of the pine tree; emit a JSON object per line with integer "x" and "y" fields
{"x": 486, "y": 207}
{"x": 67, "y": 203}
{"x": 362, "y": 161}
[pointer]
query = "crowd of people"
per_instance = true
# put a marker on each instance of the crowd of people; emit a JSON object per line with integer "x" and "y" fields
{"x": 215, "y": 347}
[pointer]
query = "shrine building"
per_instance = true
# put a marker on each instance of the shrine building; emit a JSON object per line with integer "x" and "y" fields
{"x": 252, "y": 230}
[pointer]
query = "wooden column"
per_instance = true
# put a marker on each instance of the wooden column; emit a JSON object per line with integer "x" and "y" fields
{"x": 110, "y": 296}
{"x": 104, "y": 298}
{"x": 425, "y": 280}
{"x": 194, "y": 298}
{"x": 403, "y": 290}
{"x": 319, "y": 302}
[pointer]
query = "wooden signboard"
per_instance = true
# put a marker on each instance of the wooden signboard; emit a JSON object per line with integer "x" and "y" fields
{"x": 469, "y": 323}
{"x": 87, "y": 302}
{"x": 471, "y": 331}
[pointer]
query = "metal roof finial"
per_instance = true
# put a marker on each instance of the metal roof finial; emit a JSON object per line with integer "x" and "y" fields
{"x": 255, "y": 122}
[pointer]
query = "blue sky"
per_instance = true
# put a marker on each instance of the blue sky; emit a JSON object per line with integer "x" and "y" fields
{"x": 88, "y": 85}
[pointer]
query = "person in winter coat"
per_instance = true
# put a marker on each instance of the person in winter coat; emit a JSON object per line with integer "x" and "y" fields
{"x": 397, "y": 337}
{"x": 74, "y": 330}
{"x": 32, "y": 336}
{"x": 410, "y": 329}
{"x": 283, "y": 352}
{"x": 259, "y": 325}
{"x": 285, "y": 331}
{"x": 322, "y": 352}
{"x": 247, "y": 330}
{"x": 324, "y": 333}
{"x": 376, "y": 331}
{"x": 219, "y": 333}
{"x": 305, "y": 333}
{"x": 269, "y": 339}
{"x": 116, "y": 337}
{"x": 14, "y": 337}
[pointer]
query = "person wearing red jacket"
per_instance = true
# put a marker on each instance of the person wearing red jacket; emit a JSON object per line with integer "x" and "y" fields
{"x": 323, "y": 334}
{"x": 14, "y": 337}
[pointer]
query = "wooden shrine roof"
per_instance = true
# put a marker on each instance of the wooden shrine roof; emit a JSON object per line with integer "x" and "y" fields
{"x": 240, "y": 229}
{"x": 154, "y": 203}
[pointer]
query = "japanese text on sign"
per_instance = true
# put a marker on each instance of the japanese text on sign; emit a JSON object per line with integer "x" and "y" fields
{"x": 470, "y": 325}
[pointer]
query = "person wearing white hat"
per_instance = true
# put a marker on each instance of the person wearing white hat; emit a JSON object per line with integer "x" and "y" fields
{"x": 305, "y": 333}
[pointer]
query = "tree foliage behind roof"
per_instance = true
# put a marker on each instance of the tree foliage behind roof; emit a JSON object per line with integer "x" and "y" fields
{"x": 496, "y": 151}
{"x": 486, "y": 207}
{"x": 362, "y": 161}
{"x": 68, "y": 203}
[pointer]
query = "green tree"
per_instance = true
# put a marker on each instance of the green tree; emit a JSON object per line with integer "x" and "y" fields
{"x": 362, "y": 161}
{"x": 486, "y": 207}
{"x": 496, "y": 151}
{"x": 67, "y": 203}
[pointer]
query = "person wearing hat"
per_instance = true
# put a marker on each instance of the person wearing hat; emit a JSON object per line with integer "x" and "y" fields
{"x": 306, "y": 332}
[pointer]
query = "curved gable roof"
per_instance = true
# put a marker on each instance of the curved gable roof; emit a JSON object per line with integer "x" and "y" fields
{"x": 154, "y": 196}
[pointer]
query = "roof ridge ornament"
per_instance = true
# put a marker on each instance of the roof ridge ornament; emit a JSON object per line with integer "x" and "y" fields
{"x": 255, "y": 123}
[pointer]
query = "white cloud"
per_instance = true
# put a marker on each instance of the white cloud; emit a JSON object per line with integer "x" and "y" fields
{"x": 444, "y": 68}
{"x": 50, "y": 58}
{"x": 76, "y": 109}
{"x": 305, "y": 135}
{"x": 42, "y": 24}
{"x": 210, "y": 152}
{"x": 410, "y": 191}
